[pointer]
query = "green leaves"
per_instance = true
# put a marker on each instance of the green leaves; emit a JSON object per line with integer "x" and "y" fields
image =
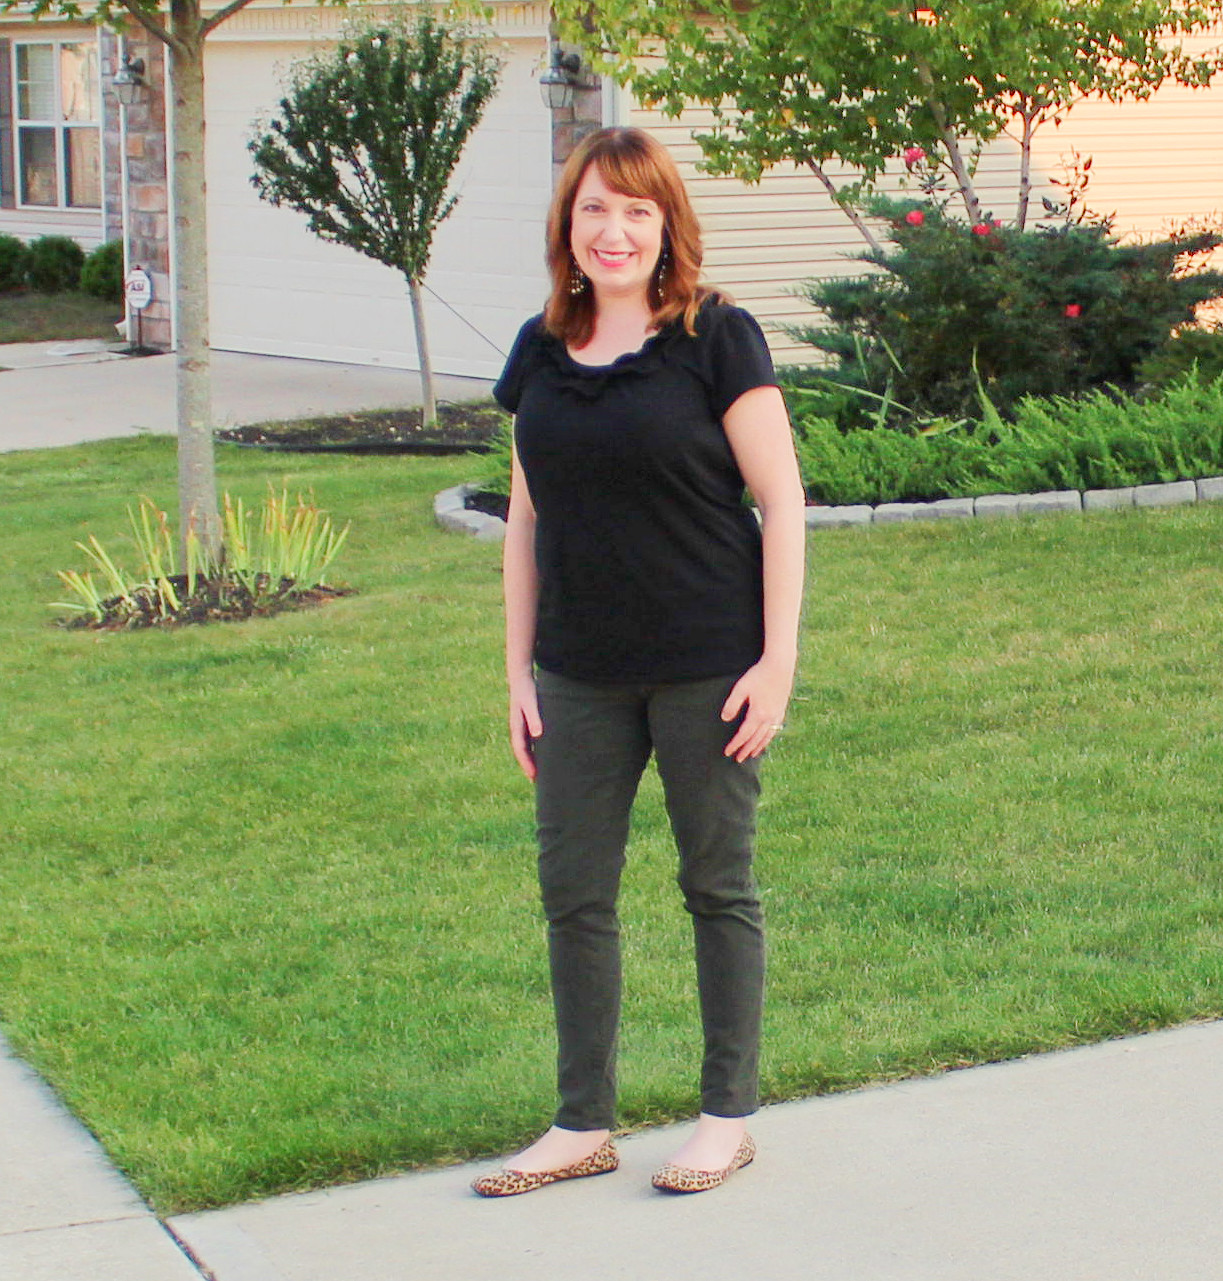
{"x": 858, "y": 81}
{"x": 368, "y": 135}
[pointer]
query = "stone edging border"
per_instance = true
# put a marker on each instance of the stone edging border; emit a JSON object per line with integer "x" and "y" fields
{"x": 449, "y": 507}
{"x": 450, "y": 512}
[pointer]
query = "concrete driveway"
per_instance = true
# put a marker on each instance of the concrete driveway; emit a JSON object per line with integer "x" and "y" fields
{"x": 67, "y": 393}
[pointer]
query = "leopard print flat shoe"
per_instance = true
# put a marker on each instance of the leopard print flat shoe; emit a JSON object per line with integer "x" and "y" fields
{"x": 603, "y": 1160}
{"x": 678, "y": 1178}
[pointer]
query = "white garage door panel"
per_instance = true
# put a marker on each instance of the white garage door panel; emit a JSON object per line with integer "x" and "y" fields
{"x": 278, "y": 289}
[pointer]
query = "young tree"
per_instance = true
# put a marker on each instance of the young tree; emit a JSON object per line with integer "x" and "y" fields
{"x": 366, "y": 141}
{"x": 182, "y": 26}
{"x": 860, "y": 82}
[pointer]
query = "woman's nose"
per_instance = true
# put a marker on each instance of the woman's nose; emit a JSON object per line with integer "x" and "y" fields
{"x": 613, "y": 230}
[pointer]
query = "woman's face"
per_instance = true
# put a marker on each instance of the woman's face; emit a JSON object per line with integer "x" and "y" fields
{"x": 615, "y": 239}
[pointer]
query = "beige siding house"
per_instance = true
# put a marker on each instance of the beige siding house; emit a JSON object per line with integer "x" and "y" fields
{"x": 276, "y": 289}
{"x": 1157, "y": 164}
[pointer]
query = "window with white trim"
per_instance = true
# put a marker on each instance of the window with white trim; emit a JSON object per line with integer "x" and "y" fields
{"x": 57, "y": 101}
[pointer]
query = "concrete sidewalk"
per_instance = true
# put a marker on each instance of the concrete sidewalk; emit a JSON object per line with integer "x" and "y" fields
{"x": 1096, "y": 1164}
{"x": 53, "y": 396}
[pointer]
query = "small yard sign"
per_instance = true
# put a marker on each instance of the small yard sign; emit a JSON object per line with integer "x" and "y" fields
{"x": 138, "y": 287}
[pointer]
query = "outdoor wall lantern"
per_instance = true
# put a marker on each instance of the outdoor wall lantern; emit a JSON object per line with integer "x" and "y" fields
{"x": 558, "y": 82}
{"x": 129, "y": 81}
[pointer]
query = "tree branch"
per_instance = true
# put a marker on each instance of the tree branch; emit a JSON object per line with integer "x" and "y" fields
{"x": 950, "y": 141}
{"x": 850, "y": 212}
{"x": 221, "y": 14}
{"x": 152, "y": 25}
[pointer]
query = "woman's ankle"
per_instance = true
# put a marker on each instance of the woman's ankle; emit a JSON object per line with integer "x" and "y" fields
{"x": 557, "y": 1148}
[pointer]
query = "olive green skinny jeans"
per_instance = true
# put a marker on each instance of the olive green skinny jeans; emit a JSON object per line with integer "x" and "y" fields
{"x": 596, "y": 742}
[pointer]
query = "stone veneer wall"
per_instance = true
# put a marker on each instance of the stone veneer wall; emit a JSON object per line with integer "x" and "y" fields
{"x": 148, "y": 243}
{"x": 571, "y": 124}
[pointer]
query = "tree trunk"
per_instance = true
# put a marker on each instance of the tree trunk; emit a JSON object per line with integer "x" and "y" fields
{"x": 427, "y": 399}
{"x": 958, "y": 164}
{"x": 1025, "y": 168}
{"x": 197, "y": 486}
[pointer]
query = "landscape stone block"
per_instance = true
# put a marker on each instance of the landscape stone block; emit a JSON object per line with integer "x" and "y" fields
{"x": 1096, "y": 499}
{"x": 835, "y": 517}
{"x": 1179, "y": 491}
{"x": 1210, "y": 489}
{"x": 944, "y": 509}
{"x": 888, "y": 512}
{"x": 450, "y": 500}
{"x": 491, "y": 529}
{"x": 996, "y": 505}
{"x": 1053, "y": 500}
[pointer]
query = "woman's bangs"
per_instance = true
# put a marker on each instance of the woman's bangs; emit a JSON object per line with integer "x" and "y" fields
{"x": 631, "y": 173}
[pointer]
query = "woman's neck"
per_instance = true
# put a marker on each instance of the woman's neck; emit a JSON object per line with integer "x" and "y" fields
{"x": 621, "y": 325}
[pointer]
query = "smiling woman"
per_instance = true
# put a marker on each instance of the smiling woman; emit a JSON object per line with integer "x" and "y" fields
{"x": 646, "y": 615}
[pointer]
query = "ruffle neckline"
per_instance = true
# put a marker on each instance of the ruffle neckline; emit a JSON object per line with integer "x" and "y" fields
{"x": 589, "y": 381}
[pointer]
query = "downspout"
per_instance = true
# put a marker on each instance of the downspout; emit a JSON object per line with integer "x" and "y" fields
{"x": 125, "y": 212}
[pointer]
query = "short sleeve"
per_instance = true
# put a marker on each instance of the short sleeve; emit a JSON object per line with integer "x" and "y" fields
{"x": 507, "y": 390}
{"x": 737, "y": 356}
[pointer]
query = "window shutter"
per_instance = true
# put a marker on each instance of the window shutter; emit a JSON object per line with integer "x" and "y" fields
{"x": 8, "y": 193}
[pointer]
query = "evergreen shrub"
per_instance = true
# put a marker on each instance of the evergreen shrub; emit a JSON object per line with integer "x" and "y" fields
{"x": 1098, "y": 441}
{"x": 13, "y": 259}
{"x": 1057, "y": 311}
{"x": 1187, "y": 349}
{"x": 102, "y": 272}
{"x": 54, "y": 264}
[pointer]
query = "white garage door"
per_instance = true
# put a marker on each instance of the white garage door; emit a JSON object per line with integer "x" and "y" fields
{"x": 278, "y": 290}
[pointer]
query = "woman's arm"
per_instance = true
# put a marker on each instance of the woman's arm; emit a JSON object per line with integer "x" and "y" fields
{"x": 758, "y": 429}
{"x": 521, "y": 587}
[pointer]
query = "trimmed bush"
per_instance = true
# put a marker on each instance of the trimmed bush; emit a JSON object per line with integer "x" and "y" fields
{"x": 54, "y": 264}
{"x": 102, "y": 273}
{"x": 1189, "y": 348}
{"x": 1099, "y": 441}
{"x": 13, "y": 258}
{"x": 1056, "y": 311}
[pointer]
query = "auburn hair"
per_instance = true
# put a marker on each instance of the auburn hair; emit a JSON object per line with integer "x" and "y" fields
{"x": 633, "y": 163}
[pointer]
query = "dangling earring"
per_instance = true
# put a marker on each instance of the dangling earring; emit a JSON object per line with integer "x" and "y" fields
{"x": 660, "y": 272}
{"x": 578, "y": 280}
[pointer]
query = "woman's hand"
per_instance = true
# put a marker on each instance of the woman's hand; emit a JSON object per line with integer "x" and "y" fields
{"x": 525, "y": 723}
{"x": 764, "y": 690}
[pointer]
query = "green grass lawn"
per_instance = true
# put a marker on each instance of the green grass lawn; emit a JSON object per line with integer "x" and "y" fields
{"x": 36, "y": 317}
{"x": 267, "y": 912}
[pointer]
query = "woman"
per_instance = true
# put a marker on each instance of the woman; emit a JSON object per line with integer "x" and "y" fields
{"x": 646, "y": 612}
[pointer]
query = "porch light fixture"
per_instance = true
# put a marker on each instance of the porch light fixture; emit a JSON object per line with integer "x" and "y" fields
{"x": 558, "y": 82}
{"x": 129, "y": 81}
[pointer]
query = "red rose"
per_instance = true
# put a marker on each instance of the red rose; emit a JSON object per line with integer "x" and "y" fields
{"x": 982, "y": 229}
{"x": 915, "y": 217}
{"x": 1073, "y": 309}
{"x": 913, "y": 156}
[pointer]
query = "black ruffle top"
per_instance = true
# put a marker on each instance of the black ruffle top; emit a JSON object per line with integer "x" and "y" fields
{"x": 649, "y": 560}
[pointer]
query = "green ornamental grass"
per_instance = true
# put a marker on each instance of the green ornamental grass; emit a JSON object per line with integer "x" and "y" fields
{"x": 267, "y": 909}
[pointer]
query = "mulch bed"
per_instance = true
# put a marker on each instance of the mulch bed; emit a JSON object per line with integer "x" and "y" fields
{"x": 460, "y": 429}
{"x": 210, "y": 604}
{"x": 490, "y": 504}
